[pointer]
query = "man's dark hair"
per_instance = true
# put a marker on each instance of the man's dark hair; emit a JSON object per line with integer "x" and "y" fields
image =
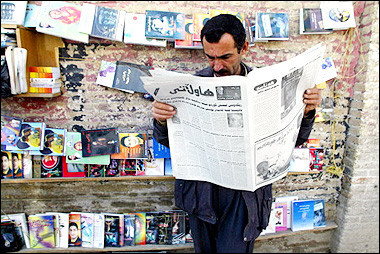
{"x": 221, "y": 24}
{"x": 73, "y": 224}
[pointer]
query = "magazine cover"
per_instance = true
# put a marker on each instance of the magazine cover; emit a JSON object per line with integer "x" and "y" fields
{"x": 199, "y": 20}
{"x": 311, "y": 21}
{"x": 98, "y": 230}
{"x": 61, "y": 19}
{"x": 96, "y": 170}
{"x": 18, "y": 170}
{"x": 179, "y": 227}
{"x": 319, "y": 213}
{"x": 87, "y": 229}
{"x": 280, "y": 213}
{"x": 21, "y": 224}
{"x": 112, "y": 169}
{"x": 132, "y": 146}
{"x": 6, "y": 165}
{"x": 51, "y": 166}
{"x": 75, "y": 232}
{"x": 111, "y": 230}
{"x": 10, "y": 130}
{"x": 32, "y": 14}
{"x": 54, "y": 143}
{"x": 41, "y": 231}
{"x": 165, "y": 228}
{"x": 31, "y": 137}
{"x": 302, "y": 215}
{"x": 272, "y": 26}
{"x": 127, "y": 167}
{"x": 129, "y": 229}
{"x": 13, "y": 12}
{"x": 165, "y": 25}
{"x": 106, "y": 74}
{"x": 74, "y": 152}
{"x": 338, "y": 15}
{"x": 151, "y": 219}
{"x": 63, "y": 229}
{"x": 134, "y": 31}
{"x": 140, "y": 228}
{"x": 188, "y": 42}
{"x": 100, "y": 142}
{"x": 102, "y": 22}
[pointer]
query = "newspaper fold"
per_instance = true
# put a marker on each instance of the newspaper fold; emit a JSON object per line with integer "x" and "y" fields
{"x": 234, "y": 131}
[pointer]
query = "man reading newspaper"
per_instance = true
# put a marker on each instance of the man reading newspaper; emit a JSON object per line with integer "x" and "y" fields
{"x": 224, "y": 219}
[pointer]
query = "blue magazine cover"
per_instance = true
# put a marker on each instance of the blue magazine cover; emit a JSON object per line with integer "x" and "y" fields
{"x": 302, "y": 215}
{"x": 165, "y": 25}
{"x": 272, "y": 26}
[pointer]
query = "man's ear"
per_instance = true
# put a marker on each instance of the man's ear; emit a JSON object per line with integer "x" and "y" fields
{"x": 244, "y": 49}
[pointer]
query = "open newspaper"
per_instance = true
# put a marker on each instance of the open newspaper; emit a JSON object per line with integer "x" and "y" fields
{"x": 235, "y": 131}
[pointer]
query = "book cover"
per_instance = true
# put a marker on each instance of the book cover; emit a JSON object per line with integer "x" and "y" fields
{"x": 168, "y": 167}
{"x": 61, "y": 19}
{"x": 27, "y": 164}
{"x": 327, "y": 71}
{"x": 140, "y": 167}
{"x": 313, "y": 142}
{"x": 10, "y": 130}
{"x": 165, "y": 228}
{"x": 74, "y": 152}
{"x": 127, "y": 167}
{"x": 6, "y": 165}
{"x": 239, "y": 15}
{"x": 250, "y": 30}
{"x": 199, "y": 20}
{"x": 127, "y": 77}
{"x": 13, "y": 12}
{"x": 100, "y": 142}
{"x": 102, "y": 22}
{"x": 95, "y": 170}
{"x": 179, "y": 227}
{"x": 98, "y": 230}
{"x": 316, "y": 156}
{"x": 338, "y": 15}
{"x": 154, "y": 167}
{"x": 51, "y": 166}
{"x": 10, "y": 238}
{"x": 159, "y": 150}
{"x": 151, "y": 219}
{"x": 31, "y": 137}
{"x": 280, "y": 214}
{"x": 75, "y": 233}
{"x": 302, "y": 215}
{"x": 129, "y": 229}
{"x": 54, "y": 142}
{"x": 32, "y": 14}
{"x": 188, "y": 42}
{"x": 63, "y": 229}
{"x": 271, "y": 228}
{"x": 132, "y": 146}
{"x": 73, "y": 169}
{"x": 311, "y": 21}
{"x": 288, "y": 200}
{"x": 87, "y": 229}
{"x": 165, "y": 25}
{"x": 18, "y": 170}
{"x": 41, "y": 231}
{"x": 36, "y": 166}
{"x": 272, "y": 26}
{"x": 319, "y": 213}
{"x": 112, "y": 170}
{"x": 140, "y": 228}
{"x": 21, "y": 224}
{"x": 111, "y": 230}
{"x": 300, "y": 160}
{"x": 106, "y": 74}
{"x": 134, "y": 31}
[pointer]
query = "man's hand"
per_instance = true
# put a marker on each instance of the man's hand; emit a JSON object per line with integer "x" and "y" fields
{"x": 312, "y": 98}
{"x": 162, "y": 111}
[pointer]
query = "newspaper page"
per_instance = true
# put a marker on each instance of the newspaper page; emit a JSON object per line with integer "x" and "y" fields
{"x": 234, "y": 131}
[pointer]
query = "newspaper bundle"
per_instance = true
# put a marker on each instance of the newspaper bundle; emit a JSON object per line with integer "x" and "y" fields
{"x": 235, "y": 131}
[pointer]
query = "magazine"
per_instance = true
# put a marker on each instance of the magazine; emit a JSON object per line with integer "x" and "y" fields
{"x": 220, "y": 136}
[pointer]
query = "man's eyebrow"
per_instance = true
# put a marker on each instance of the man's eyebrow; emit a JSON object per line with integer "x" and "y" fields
{"x": 222, "y": 56}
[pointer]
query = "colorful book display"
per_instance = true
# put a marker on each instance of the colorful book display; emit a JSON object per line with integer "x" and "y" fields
{"x": 45, "y": 80}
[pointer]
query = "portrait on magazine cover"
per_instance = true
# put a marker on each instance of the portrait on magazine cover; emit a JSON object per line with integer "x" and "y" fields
{"x": 105, "y": 22}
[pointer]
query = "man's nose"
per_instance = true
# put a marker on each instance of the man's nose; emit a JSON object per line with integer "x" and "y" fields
{"x": 218, "y": 65}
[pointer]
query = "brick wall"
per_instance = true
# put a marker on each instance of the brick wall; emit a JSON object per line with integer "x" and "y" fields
{"x": 87, "y": 105}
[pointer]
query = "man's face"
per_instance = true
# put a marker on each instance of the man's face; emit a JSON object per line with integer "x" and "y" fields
{"x": 73, "y": 232}
{"x": 223, "y": 56}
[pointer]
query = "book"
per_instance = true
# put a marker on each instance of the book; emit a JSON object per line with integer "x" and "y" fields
{"x": 271, "y": 227}
{"x": 63, "y": 229}
{"x": 100, "y": 142}
{"x": 59, "y": 18}
{"x": 112, "y": 169}
{"x": 302, "y": 215}
{"x": 134, "y": 31}
{"x": 102, "y": 22}
{"x": 39, "y": 72}
{"x": 129, "y": 229}
{"x": 165, "y": 25}
{"x": 27, "y": 164}
{"x": 159, "y": 150}
{"x": 311, "y": 21}
{"x": 280, "y": 214}
{"x": 10, "y": 238}
{"x": 112, "y": 227}
{"x": 272, "y": 26}
{"x": 87, "y": 229}
{"x": 250, "y": 29}
{"x": 300, "y": 160}
{"x": 56, "y": 228}
{"x": 154, "y": 167}
{"x": 106, "y": 74}
{"x": 168, "y": 170}
{"x": 6, "y": 164}
{"x": 98, "y": 230}
{"x": 51, "y": 166}
{"x": 36, "y": 166}
{"x": 313, "y": 142}
{"x": 75, "y": 233}
{"x": 41, "y": 231}
{"x": 199, "y": 20}
{"x": 95, "y": 170}
{"x": 32, "y": 15}
{"x": 132, "y": 146}
{"x": 288, "y": 200}
{"x": 319, "y": 213}
{"x": 13, "y": 12}
{"x": 140, "y": 228}
{"x": 151, "y": 220}
{"x": 21, "y": 224}
{"x": 188, "y": 42}
{"x": 327, "y": 71}
{"x": 54, "y": 142}
{"x": 140, "y": 167}
{"x": 127, "y": 77}
{"x": 316, "y": 156}
{"x": 74, "y": 152}
{"x": 10, "y": 130}
{"x": 31, "y": 137}
{"x": 338, "y": 15}
{"x": 127, "y": 167}
{"x": 18, "y": 170}
{"x": 179, "y": 227}
{"x": 165, "y": 228}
